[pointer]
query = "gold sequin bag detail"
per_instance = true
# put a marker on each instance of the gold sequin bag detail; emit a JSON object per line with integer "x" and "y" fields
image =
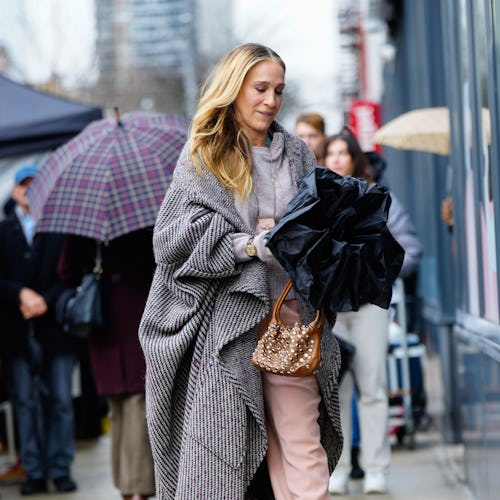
{"x": 294, "y": 351}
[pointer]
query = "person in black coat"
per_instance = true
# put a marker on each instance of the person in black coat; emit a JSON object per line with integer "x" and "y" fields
{"x": 37, "y": 355}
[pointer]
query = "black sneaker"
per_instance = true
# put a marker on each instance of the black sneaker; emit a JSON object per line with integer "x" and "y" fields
{"x": 64, "y": 484}
{"x": 33, "y": 486}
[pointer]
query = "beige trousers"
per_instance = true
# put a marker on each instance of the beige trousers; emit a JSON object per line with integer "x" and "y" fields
{"x": 131, "y": 457}
{"x": 368, "y": 330}
{"x": 297, "y": 462}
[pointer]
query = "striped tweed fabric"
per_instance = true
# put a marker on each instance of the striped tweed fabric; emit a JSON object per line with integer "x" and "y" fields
{"x": 109, "y": 180}
{"x": 204, "y": 398}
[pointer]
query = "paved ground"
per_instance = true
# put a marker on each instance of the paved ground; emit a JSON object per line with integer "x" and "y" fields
{"x": 429, "y": 472}
{"x": 432, "y": 471}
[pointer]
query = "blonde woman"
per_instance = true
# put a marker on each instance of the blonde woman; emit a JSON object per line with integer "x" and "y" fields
{"x": 219, "y": 428}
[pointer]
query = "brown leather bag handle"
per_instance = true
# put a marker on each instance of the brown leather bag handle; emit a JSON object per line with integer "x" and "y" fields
{"x": 320, "y": 315}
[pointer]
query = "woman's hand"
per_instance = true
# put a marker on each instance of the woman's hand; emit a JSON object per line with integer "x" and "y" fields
{"x": 263, "y": 253}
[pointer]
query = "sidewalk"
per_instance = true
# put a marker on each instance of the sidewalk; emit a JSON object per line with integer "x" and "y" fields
{"x": 91, "y": 471}
{"x": 429, "y": 472}
{"x": 432, "y": 471}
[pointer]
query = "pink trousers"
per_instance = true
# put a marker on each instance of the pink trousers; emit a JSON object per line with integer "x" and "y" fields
{"x": 297, "y": 462}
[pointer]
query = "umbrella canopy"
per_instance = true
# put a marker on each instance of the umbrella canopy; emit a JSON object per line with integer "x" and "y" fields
{"x": 334, "y": 243}
{"x": 111, "y": 178}
{"x": 426, "y": 129}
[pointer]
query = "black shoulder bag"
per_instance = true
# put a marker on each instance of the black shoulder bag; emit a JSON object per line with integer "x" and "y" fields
{"x": 83, "y": 315}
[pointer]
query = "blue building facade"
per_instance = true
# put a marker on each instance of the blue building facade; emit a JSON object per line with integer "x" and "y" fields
{"x": 448, "y": 54}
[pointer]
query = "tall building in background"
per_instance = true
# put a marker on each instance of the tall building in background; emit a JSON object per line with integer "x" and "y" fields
{"x": 364, "y": 49}
{"x": 215, "y": 32}
{"x": 146, "y": 53}
{"x": 350, "y": 43}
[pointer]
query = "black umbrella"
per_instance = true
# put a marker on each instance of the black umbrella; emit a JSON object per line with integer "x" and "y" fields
{"x": 334, "y": 242}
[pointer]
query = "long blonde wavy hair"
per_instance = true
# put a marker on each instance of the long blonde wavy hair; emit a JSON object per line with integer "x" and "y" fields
{"x": 216, "y": 139}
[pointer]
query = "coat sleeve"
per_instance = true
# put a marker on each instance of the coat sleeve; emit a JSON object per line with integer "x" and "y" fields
{"x": 193, "y": 249}
{"x": 9, "y": 287}
{"x": 193, "y": 239}
{"x": 193, "y": 252}
{"x": 403, "y": 230}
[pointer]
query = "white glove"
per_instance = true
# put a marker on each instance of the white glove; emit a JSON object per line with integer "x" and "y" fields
{"x": 263, "y": 253}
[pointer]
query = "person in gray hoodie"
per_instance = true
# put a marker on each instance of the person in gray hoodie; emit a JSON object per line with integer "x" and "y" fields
{"x": 367, "y": 329}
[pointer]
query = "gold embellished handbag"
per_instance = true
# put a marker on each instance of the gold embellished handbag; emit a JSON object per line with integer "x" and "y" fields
{"x": 294, "y": 351}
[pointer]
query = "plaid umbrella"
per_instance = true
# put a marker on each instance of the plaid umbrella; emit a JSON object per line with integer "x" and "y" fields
{"x": 111, "y": 178}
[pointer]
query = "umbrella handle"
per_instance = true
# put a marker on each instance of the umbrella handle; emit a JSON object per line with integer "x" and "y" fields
{"x": 117, "y": 116}
{"x": 97, "y": 270}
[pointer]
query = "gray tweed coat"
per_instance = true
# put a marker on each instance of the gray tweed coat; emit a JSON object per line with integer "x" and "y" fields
{"x": 204, "y": 398}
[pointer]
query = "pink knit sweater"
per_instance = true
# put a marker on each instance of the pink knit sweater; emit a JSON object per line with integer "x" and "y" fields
{"x": 273, "y": 188}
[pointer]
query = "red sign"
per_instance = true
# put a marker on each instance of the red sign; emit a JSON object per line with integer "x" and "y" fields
{"x": 364, "y": 119}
